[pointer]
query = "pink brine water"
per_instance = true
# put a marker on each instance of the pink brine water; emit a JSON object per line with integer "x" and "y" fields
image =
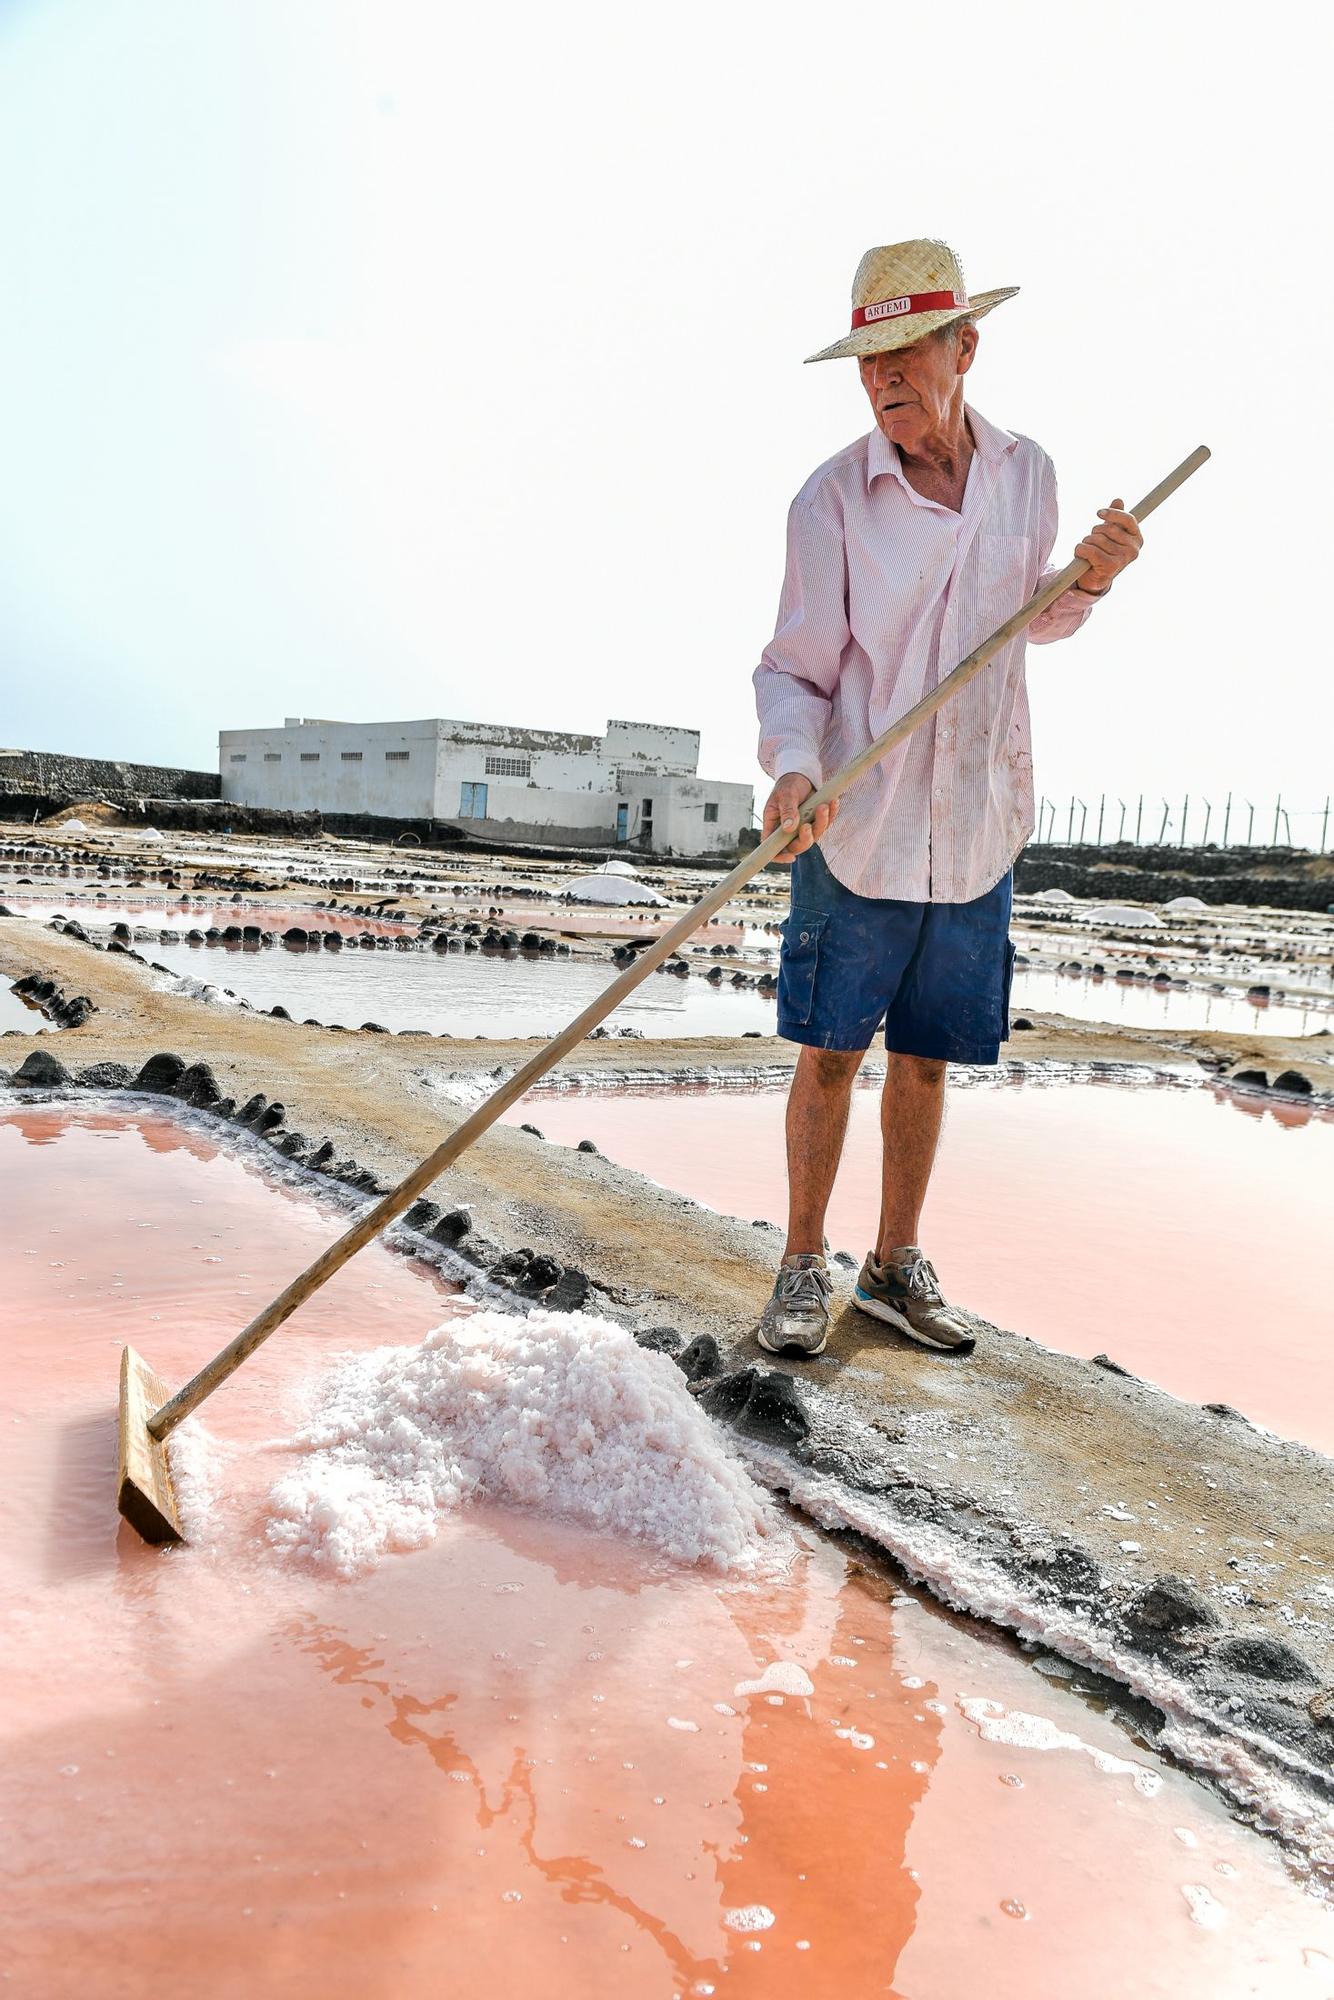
{"x": 530, "y": 1753}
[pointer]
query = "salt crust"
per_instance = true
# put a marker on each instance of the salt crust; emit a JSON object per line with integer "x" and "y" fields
{"x": 560, "y": 1412}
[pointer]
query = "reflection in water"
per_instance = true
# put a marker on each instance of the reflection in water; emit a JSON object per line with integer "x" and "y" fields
{"x": 526, "y": 1754}
{"x": 20, "y": 1015}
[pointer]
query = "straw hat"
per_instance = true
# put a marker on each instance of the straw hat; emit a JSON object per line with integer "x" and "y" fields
{"x": 904, "y": 290}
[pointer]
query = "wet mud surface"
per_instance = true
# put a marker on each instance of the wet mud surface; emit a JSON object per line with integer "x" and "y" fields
{"x": 528, "y": 1751}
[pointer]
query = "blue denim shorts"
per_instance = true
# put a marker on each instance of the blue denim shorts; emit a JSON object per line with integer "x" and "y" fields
{"x": 937, "y": 974}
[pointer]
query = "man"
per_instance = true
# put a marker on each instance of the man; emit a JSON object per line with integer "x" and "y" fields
{"x": 903, "y": 553}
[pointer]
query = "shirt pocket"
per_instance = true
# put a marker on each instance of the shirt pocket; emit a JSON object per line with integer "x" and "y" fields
{"x": 797, "y": 967}
{"x": 1004, "y": 579}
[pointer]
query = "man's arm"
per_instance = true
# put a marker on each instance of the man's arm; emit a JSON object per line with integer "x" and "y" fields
{"x": 798, "y": 669}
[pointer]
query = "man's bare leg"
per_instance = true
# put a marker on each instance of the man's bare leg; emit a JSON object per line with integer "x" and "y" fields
{"x": 912, "y": 1107}
{"x": 817, "y": 1119}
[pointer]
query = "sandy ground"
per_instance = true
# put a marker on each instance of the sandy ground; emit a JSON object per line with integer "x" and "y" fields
{"x": 969, "y": 1472}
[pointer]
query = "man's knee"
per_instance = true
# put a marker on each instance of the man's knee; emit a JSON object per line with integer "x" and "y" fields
{"x": 925, "y": 1072}
{"x": 830, "y": 1069}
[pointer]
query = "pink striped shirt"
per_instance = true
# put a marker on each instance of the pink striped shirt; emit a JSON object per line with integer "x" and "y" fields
{"x": 884, "y": 593}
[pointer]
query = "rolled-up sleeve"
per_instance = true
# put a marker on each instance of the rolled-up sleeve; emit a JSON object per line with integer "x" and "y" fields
{"x": 799, "y": 668}
{"x": 1072, "y": 607}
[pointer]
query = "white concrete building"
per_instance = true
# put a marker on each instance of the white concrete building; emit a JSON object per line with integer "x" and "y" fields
{"x": 634, "y": 786}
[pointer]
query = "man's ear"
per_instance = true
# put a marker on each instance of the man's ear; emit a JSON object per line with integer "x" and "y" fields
{"x": 967, "y": 348}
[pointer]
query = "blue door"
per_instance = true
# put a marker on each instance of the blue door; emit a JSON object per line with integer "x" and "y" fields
{"x": 622, "y": 822}
{"x": 472, "y": 802}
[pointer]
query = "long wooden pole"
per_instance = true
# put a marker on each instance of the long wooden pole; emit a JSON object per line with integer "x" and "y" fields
{"x": 398, "y": 1199}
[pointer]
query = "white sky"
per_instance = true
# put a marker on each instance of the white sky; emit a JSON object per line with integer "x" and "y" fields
{"x": 384, "y": 360}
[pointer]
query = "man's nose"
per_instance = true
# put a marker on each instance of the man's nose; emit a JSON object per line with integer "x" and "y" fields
{"x": 885, "y": 371}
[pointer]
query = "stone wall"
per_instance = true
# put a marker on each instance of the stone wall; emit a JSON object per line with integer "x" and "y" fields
{"x": 73, "y": 778}
{"x": 1276, "y": 878}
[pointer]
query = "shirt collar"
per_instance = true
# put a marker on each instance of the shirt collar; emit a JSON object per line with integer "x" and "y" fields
{"x": 882, "y": 457}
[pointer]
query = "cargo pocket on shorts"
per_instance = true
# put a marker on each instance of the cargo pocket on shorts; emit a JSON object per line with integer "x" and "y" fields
{"x": 797, "y": 968}
{"x": 1007, "y": 983}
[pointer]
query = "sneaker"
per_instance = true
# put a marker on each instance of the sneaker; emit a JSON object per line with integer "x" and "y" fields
{"x": 796, "y": 1319}
{"x": 905, "y": 1292}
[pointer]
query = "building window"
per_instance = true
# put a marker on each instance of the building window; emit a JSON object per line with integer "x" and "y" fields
{"x": 273, "y": 756}
{"x": 509, "y": 767}
{"x": 397, "y": 756}
{"x": 350, "y": 756}
{"x": 472, "y": 801}
{"x": 710, "y": 814}
{"x": 238, "y": 757}
{"x": 310, "y": 756}
{"x": 628, "y": 781}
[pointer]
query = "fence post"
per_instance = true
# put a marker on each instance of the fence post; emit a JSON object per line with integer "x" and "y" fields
{"x": 1185, "y": 815}
{"x": 1101, "y": 803}
{"x": 1324, "y": 824}
{"x": 1278, "y": 807}
{"x": 1083, "y": 819}
{"x": 1250, "y": 825}
{"x": 1227, "y": 814}
{"x": 1139, "y": 814}
{"x": 1204, "y": 837}
{"x": 1162, "y": 831}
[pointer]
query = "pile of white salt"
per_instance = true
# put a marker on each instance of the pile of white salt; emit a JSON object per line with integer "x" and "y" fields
{"x": 559, "y": 1412}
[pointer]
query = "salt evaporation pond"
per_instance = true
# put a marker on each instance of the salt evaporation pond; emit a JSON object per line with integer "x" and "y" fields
{"x": 1140, "y": 1004}
{"x": 528, "y": 1753}
{"x": 493, "y": 994}
{"x": 507, "y": 995}
{"x": 1182, "y": 1230}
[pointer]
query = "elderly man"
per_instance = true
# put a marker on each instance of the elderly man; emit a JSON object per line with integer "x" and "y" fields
{"x": 903, "y": 552}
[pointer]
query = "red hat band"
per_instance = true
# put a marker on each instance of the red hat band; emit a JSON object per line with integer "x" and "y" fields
{"x": 915, "y": 302}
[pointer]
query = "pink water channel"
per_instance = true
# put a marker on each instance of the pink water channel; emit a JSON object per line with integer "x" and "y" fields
{"x": 1183, "y": 1231}
{"x": 526, "y": 1754}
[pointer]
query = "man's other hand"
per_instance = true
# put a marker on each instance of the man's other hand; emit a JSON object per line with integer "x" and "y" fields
{"x": 785, "y": 803}
{"x": 1108, "y": 549}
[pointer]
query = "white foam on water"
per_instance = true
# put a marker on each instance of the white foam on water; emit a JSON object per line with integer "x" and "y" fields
{"x": 779, "y": 1677}
{"x": 1021, "y": 1731}
{"x": 560, "y": 1412}
{"x": 750, "y": 1917}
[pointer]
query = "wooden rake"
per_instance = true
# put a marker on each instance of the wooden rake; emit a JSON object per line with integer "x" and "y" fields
{"x": 149, "y": 1412}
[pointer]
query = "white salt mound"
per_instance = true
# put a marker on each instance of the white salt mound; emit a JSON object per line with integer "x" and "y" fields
{"x": 1125, "y": 915}
{"x": 561, "y": 1412}
{"x": 614, "y": 889}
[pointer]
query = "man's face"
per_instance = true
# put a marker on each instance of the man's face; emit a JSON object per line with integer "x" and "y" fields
{"x": 913, "y": 389}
